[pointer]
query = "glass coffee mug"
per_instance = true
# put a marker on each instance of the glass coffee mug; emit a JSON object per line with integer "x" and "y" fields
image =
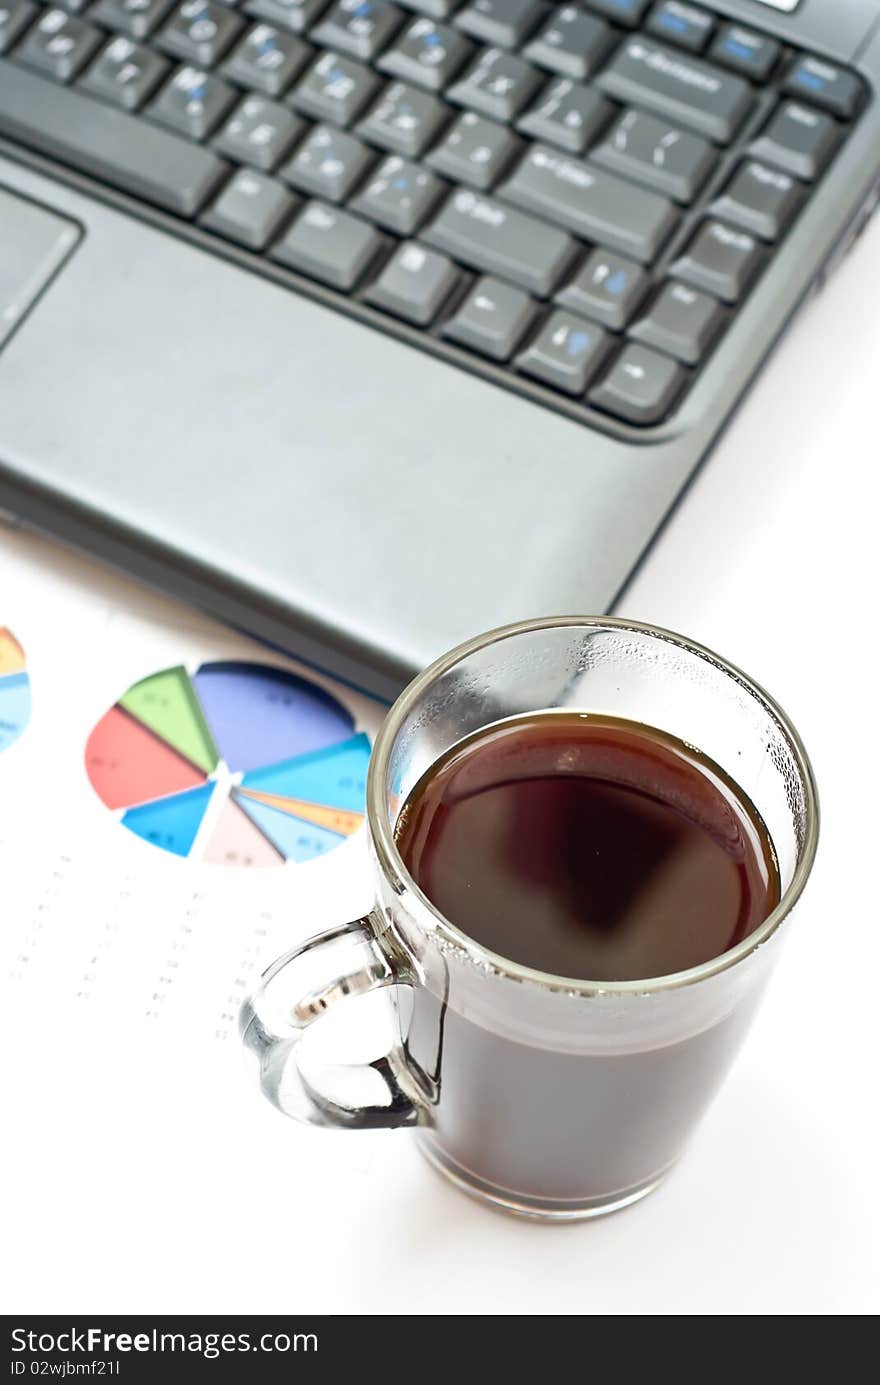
{"x": 548, "y": 1096}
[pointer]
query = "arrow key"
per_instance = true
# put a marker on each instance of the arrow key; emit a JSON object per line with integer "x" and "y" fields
{"x": 492, "y": 319}
{"x": 566, "y": 353}
{"x": 640, "y": 387}
{"x": 608, "y": 288}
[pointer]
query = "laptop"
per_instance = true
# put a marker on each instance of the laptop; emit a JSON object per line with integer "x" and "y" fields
{"x": 368, "y": 325}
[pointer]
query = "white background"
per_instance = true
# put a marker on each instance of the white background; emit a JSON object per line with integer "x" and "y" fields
{"x": 147, "y": 1180}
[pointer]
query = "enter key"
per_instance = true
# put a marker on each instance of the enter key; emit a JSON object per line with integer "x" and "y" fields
{"x": 592, "y": 203}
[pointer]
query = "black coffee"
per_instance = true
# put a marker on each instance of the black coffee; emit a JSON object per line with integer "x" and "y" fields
{"x": 589, "y": 847}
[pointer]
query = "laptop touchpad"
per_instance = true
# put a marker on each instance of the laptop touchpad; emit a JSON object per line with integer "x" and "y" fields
{"x": 34, "y": 243}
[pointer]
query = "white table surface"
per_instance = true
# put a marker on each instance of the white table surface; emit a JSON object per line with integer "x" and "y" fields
{"x": 772, "y": 560}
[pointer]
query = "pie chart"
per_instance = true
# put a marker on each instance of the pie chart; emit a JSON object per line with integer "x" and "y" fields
{"x": 15, "y": 689}
{"x": 235, "y": 764}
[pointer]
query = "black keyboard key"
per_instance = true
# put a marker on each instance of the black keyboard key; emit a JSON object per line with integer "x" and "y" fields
{"x": 499, "y": 240}
{"x": 627, "y": 12}
{"x": 641, "y": 386}
{"x": 267, "y": 60}
{"x": 98, "y": 139}
{"x": 566, "y": 353}
{"x": 250, "y": 210}
{"x": 823, "y": 84}
{"x": 720, "y": 260}
{"x": 686, "y": 91}
{"x": 414, "y": 284}
{"x": 398, "y": 195}
{"x": 192, "y": 102}
{"x": 359, "y": 27}
{"x": 608, "y": 289}
{"x": 59, "y": 45}
{"x": 328, "y": 164}
{"x": 498, "y": 84}
{"x": 686, "y": 25}
{"x": 681, "y": 322}
{"x": 137, "y": 18}
{"x": 502, "y": 23}
{"x": 592, "y": 203}
{"x": 653, "y": 152}
{"x": 427, "y": 53}
{"x": 404, "y": 119}
{"x": 761, "y": 200}
{"x": 799, "y": 140}
{"x": 199, "y": 33}
{"x": 125, "y": 73}
{"x": 330, "y": 245}
{"x": 568, "y": 114}
{"x": 434, "y": 9}
{"x": 15, "y": 16}
{"x": 295, "y": 15}
{"x": 493, "y": 319}
{"x": 742, "y": 50}
{"x": 335, "y": 89}
{"x": 259, "y": 132}
{"x": 571, "y": 42}
{"x": 475, "y": 151}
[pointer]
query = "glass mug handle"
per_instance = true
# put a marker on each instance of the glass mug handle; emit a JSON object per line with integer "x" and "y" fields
{"x": 297, "y": 990}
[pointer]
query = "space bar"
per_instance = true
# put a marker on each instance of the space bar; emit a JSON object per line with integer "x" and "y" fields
{"x": 131, "y": 154}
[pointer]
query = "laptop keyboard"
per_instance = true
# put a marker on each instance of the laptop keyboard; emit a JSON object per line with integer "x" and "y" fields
{"x": 580, "y": 197}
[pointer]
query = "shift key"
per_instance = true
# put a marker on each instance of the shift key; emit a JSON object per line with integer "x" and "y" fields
{"x": 482, "y": 234}
{"x": 592, "y": 203}
{"x": 687, "y": 91}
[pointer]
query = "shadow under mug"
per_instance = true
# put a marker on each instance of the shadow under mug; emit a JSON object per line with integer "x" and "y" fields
{"x": 549, "y": 1096}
